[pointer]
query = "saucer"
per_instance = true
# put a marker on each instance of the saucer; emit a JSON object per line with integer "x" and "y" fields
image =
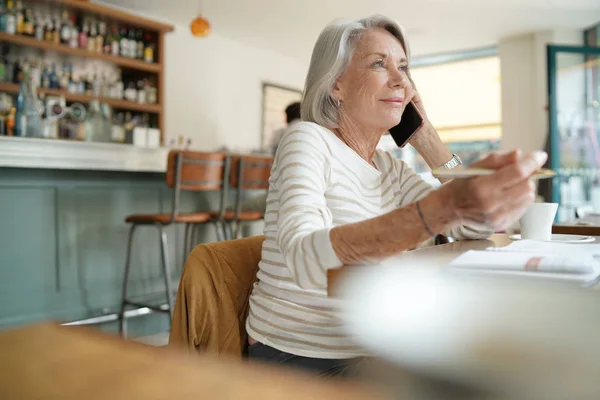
{"x": 563, "y": 238}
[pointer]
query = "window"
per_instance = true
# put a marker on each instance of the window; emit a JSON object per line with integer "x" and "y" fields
{"x": 463, "y": 101}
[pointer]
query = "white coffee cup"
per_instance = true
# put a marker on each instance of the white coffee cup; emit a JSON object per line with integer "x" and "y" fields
{"x": 536, "y": 224}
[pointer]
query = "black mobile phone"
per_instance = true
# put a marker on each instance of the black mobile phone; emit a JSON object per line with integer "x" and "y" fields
{"x": 410, "y": 123}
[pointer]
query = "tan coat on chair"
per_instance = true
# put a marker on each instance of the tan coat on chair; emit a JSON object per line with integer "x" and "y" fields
{"x": 212, "y": 301}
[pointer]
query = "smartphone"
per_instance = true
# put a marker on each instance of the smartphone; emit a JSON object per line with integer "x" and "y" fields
{"x": 410, "y": 123}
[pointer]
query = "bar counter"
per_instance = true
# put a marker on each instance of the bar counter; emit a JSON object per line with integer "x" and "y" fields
{"x": 62, "y": 230}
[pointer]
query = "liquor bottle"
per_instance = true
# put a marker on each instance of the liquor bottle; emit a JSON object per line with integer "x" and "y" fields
{"x": 107, "y": 49}
{"x": 11, "y": 18}
{"x": 132, "y": 43}
{"x": 2, "y": 69}
{"x": 65, "y": 77}
{"x": 94, "y": 123}
{"x": 81, "y": 85}
{"x": 96, "y": 85}
{"x": 45, "y": 78}
{"x": 65, "y": 29}
{"x": 131, "y": 92}
{"x": 10, "y": 122}
{"x": 56, "y": 33}
{"x": 120, "y": 92}
{"x": 83, "y": 35}
{"x": 54, "y": 78}
{"x": 140, "y": 45}
{"x": 49, "y": 34}
{"x": 107, "y": 116}
{"x": 128, "y": 127}
{"x": 91, "y": 42}
{"x": 101, "y": 37}
{"x": 114, "y": 41}
{"x": 104, "y": 87}
{"x": 74, "y": 39}
{"x": 89, "y": 86}
{"x": 151, "y": 94}
{"x": 18, "y": 71}
{"x": 20, "y": 119}
{"x": 117, "y": 131}
{"x": 35, "y": 73}
{"x": 39, "y": 27}
{"x": 142, "y": 97}
{"x": 20, "y": 17}
{"x": 10, "y": 68}
{"x": 33, "y": 123}
{"x": 73, "y": 85}
{"x": 28, "y": 23}
{"x": 3, "y": 13}
{"x": 123, "y": 43}
{"x": 149, "y": 48}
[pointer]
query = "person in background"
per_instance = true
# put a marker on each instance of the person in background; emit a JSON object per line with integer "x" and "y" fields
{"x": 335, "y": 199}
{"x": 292, "y": 115}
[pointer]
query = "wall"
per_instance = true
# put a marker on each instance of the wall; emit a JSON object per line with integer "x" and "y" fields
{"x": 214, "y": 89}
{"x": 523, "y": 69}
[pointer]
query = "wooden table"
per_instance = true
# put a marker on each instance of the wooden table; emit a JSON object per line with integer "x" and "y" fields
{"x": 52, "y": 362}
{"x": 588, "y": 226}
{"x": 441, "y": 254}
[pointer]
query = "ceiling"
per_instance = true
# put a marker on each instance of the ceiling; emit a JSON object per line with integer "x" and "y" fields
{"x": 290, "y": 27}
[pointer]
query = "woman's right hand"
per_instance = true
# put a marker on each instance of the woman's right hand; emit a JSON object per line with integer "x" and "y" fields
{"x": 496, "y": 201}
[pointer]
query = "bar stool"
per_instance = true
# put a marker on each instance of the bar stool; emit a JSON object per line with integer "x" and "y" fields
{"x": 186, "y": 171}
{"x": 248, "y": 172}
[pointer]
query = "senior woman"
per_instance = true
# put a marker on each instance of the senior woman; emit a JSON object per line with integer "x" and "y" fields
{"x": 335, "y": 200}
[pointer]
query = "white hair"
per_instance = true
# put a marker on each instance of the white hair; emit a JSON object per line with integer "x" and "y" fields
{"x": 330, "y": 58}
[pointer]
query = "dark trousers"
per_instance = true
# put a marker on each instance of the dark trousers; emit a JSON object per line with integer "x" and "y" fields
{"x": 319, "y": 366}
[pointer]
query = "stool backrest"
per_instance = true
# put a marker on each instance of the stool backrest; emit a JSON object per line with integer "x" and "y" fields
{"x": 249, "y": 172}
{"x": 193, "y": 170}
{"x": 197, "y": 171}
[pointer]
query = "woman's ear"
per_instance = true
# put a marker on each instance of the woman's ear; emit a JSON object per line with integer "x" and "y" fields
{"x": 336, "y": 92}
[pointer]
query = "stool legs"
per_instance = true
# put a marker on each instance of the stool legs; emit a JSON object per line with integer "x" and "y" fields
{"x": 220, "y": 231}
{"x": 188, "y": 241}
{"x": 166, "y": 271}
{"x": 166, "y": 268}
{"x": 122, "y": 320}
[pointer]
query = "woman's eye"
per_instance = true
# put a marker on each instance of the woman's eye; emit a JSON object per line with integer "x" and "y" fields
{"x": 404, "y": 68}
{"x": 378, "y": 63}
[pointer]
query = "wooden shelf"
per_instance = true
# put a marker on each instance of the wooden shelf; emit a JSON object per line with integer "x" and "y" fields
{"x": 108, "y": 12}
{"x": 82, "y": 98}
{"x": 61, "y": 48}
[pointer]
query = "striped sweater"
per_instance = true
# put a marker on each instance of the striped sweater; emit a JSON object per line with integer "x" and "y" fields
{"x": 318, "y": 182}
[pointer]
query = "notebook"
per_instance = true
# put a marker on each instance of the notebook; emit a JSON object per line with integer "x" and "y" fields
{"x": 526, "y": 258}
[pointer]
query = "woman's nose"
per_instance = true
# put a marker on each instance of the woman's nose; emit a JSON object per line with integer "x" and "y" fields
{"x": 399, "y": 79}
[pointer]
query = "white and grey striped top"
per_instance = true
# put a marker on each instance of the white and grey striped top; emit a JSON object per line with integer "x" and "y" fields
{"x": 318, "y": 182}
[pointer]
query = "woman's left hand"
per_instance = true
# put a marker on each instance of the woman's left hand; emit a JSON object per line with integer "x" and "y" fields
{"x": 426, "y": 140}
{"x": 412, "y": 94}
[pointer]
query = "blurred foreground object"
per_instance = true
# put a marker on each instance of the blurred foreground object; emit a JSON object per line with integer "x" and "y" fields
{"x": 52, "y": 362}
{"x": 505, "y": 337}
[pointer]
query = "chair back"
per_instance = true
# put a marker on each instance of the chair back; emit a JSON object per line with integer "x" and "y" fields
{"x": 197, "y": 171}
{"x": 193, "y": 170}
{"x": 249, "y": 172}
{"x": 212, "y": 301}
